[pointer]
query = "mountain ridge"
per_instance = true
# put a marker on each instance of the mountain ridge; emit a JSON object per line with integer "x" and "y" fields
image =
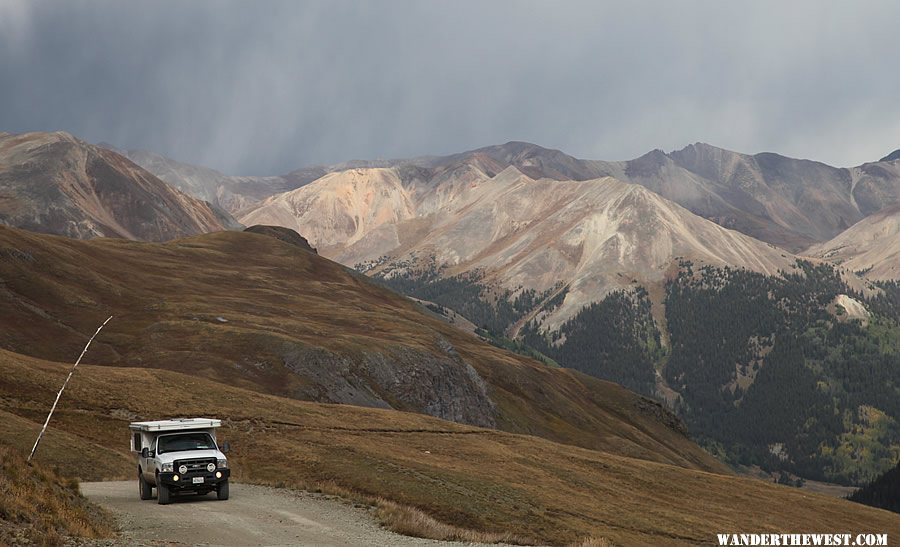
{"x": 872, "y": 246}
{"x": 771, "y": 197}
{"x": 56, "y": 183}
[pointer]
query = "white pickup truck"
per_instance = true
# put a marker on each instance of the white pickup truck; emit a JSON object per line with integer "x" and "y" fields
{"x": 179, "y": 456}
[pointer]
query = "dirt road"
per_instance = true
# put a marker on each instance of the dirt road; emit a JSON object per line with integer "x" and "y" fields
{"x": 255, "y": 515}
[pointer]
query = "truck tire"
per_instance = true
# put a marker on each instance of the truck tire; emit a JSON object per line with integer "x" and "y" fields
{"x": 222, "y": 491}
{"x": 144, "y": 487}
{"x": 162, "y": 494}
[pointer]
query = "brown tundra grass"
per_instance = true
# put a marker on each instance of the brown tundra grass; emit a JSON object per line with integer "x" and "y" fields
{"x": 38, "y": 504}
{"x": 410, "y": 521}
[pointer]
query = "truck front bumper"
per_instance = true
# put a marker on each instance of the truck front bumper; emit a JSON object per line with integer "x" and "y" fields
{"x": 191, "y": 481}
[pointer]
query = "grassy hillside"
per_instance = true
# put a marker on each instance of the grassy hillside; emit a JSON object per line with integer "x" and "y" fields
{"x": 464, "y": 476}
{"x": 39, "y": 506}
{"x": 255, "y": 312}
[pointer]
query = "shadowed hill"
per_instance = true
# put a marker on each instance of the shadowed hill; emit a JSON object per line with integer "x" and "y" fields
{"x": 282, "y": 234}
{"x": 255, "y": 312}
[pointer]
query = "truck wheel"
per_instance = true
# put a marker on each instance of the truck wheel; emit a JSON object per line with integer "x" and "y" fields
{"x": 144, "y": 487}
{"x": 222, "y": 491}
{"x": 162, "y": 493}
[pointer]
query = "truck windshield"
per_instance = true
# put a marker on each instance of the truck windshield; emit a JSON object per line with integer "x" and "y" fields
{"x": 185, "y": 441}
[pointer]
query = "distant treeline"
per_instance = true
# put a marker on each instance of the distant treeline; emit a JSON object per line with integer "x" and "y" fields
{"x": 824, "y": 399}
{"x": 614, "y": 339}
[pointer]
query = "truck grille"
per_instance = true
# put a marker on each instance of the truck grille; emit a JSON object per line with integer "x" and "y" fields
{"x": 195, "y": 466}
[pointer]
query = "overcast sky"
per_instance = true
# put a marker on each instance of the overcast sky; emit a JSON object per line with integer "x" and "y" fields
{"x": 265, "y": 87}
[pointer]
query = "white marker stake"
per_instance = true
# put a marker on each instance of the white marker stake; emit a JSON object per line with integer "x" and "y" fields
{"x": 58, "y": 395}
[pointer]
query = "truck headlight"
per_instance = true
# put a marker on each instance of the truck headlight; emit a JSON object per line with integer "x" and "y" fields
{"x": 211, "y": 467}
{"x": 183, "y": 470}
{"x": 166, "y": 468}
{"x": 222, "y": 464}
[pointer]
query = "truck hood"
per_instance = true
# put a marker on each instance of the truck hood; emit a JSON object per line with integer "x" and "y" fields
{"x": 169, "y": 457}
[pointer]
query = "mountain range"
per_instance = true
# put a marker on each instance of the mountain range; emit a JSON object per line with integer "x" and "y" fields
{"x": 788, "y": 202}
{"x": 714, "y": 281}
{"x": 618, "y": 268}
{"x": 791, "y": 203}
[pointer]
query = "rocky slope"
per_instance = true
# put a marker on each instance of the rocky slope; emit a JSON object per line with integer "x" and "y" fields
{"x": 872, "y": 246}
{"x": 789, "y": 202}
{"x": 592, "y": 236}
{"x": 55, "y": 183}
{"x": 785, "y": 201}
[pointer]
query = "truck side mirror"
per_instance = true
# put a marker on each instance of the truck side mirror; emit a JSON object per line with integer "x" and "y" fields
{"x": 145, "y": 452}
{"x": 225, "y": 447}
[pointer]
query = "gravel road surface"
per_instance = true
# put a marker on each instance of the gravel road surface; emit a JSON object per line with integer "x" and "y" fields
{"x": 255, "y": 515}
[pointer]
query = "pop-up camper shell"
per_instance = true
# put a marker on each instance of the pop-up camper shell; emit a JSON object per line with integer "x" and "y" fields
{"x": 143, "y": 433}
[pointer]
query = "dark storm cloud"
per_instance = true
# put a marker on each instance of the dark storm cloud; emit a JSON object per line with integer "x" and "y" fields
{"x": 264, "y": 87}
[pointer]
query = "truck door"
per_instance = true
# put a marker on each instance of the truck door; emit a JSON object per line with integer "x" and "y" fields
{"x": 148, "y": 465}
{"x": 151, "y": 462}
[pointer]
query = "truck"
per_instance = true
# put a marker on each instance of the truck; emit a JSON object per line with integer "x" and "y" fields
{"x": 179, "y": 456}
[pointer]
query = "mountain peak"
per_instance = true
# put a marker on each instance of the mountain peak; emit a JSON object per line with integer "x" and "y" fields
{"x": 698, "y": 146}
{"x": 66, "y": 186}
{"x": 516, "y": 150}
{"x": 700, "y": 149}
{"x": 647, "y": 165}
{"x": 510, "y": 172}
{"x": 893, "y": 156}
{"x": 55, "y": 136}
